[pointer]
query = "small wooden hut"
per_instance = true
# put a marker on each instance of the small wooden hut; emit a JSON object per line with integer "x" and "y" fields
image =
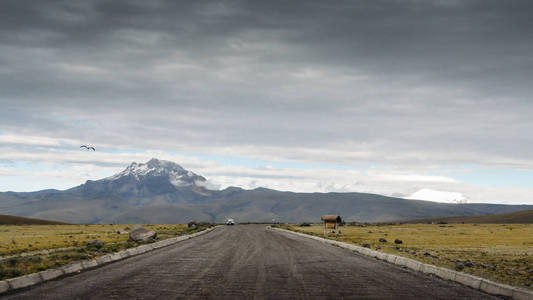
{"x": 331, "y": 222}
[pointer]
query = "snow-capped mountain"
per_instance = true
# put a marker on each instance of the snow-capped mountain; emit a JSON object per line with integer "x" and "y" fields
{"x": 174, "y": 173}
{"x": 150, "y": 181}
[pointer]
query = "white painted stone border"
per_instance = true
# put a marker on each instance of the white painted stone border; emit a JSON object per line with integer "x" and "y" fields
{"x": 475, "y": 282}
{"x": 74, "y": 267}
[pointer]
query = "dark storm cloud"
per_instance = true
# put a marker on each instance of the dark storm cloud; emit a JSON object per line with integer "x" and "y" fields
{"x": 401, "y": 79}
{"x": 441, "y": 39}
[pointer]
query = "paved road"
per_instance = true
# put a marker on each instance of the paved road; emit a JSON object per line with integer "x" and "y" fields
{"x": 249, "y": 262}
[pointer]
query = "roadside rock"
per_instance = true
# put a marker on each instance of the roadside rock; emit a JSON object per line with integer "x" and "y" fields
{"x": 366, "y": 245}
{"x": 142, "y": 234}
{"x": 95, "y": 243}
{"x": 382, "y": 240}
{"x": 398, "y": 241}
{"x": 192, "y": 225}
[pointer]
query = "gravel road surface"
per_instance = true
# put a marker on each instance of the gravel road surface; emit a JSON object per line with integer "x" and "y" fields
{"x": 249, "y": 262}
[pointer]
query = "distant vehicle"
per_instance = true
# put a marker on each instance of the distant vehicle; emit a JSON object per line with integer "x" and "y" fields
{"x": 230, "y": 222}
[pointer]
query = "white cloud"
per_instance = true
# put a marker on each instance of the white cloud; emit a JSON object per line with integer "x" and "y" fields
{"x": 438, "y": 196}
{"x": 413, "y": 178}
{"x": 11, "y": 172}
{"x": 12, "y": 139}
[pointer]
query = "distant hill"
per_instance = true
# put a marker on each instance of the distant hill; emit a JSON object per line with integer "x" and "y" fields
{"x": 520, "y": 217}
{"x": 163, "y": 192}
{"x": 14, "y": 220}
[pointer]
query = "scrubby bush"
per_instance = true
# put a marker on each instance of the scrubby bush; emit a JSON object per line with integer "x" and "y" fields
{"x": 35, "y": 259}
{"x": 13, "y": 261}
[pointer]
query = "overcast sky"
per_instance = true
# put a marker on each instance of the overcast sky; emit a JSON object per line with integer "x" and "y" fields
{"x": 404, "y": 98}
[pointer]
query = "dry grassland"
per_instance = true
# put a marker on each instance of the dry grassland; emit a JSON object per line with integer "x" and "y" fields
{"x": 23, "y": 238}
{"x": 500, "y": 252}
{"x": 22, "y": 246}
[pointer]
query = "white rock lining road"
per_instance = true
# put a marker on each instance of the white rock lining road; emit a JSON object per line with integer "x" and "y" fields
{"x": 245, "y": 262}
{"x": 475, "y": 282}
{"x": 43, "y": 276}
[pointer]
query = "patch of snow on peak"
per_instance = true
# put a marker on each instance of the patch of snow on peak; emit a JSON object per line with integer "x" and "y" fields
{"x": 152, "y": 167}
{"x": 134, "y": 170}
{"x": 176, "y": 179}
{"x": 438, "y": 196}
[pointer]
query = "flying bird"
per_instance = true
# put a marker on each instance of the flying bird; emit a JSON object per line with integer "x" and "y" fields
{"x": 88, "y": 147}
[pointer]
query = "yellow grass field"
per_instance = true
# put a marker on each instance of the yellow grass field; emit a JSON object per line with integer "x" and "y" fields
{"x": 503, "y": 253}
{"x": 21, "y": 246}
{"x": 25, "y": 238}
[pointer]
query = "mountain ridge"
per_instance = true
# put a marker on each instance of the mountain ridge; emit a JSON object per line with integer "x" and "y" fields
{"x": 16, "y": 220}
{"x": 164, "y": 192}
